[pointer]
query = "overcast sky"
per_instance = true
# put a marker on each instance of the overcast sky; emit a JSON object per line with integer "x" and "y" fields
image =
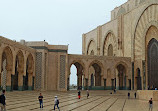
{"x": 57, "y": 21}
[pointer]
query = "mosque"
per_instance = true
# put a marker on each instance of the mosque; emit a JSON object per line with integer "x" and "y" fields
{"x": 121, "y": 54}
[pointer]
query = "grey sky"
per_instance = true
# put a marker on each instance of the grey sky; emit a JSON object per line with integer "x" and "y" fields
{"x": 57, "y": 21}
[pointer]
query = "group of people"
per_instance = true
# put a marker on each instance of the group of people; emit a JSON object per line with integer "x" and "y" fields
{"x": 79, "y": 94}
{"x": 56, "y": 101}
{"x": 135, "y": 95}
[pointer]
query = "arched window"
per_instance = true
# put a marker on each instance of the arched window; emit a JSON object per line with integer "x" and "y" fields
{"x": 110, "y": 50}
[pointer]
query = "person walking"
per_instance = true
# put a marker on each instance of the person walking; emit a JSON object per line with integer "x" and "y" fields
{"x": 150, "y": 104}
{"x": 40, "y": 98}
{"x": 2, "y": 101}
{"x": 87, "y": 94}
{"x": 79, "y": 94}
{"x": 56, "y": 103}
{"x": 128, "y": 95}
{"x": 135, "y": 95}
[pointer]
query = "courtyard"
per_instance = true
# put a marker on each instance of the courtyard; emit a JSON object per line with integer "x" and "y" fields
{"x": 97, "y": 101}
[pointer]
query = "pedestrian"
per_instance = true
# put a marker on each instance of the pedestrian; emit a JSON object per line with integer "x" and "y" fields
{"x": 79, "y": 94}
{"x": 150, "y": 104}
{"x": 56, "y": 103}
{"x": 135, "y": 95}
{"x": 87, "y": 94}
{"x": 2, "y": 101}
{"x": 40, "y": 98}
{"x": 128, "y": 95}
{"x": 114, "y": 90}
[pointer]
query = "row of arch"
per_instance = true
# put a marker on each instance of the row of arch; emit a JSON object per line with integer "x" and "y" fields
{"x": 17, "y": 70}
{"x": 97, "y": 77}
{"x": 109, "y": 46}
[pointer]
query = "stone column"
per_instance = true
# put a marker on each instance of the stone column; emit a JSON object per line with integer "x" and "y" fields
{"x": 117, "y": 80}
{"x": 8, "y": 81}
{"x": 20, "y": 81}
{"x": 29, "y": 81}
{"x": 82, "y": 82}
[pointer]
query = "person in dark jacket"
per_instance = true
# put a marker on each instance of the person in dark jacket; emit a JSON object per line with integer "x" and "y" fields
{"x": 79, "y": 94}
{"x": 128, "y": 95}
{"x": 2, "y": 101}
{"x": 40, "y": 98}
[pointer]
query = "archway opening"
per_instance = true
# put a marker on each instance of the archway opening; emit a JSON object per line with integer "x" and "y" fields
{"x": 122, "y": 77}
{"x": 14, "y": 78}
{"x": 138, "y": 79}
{"x": 25, "y": 78}
{"x": 96, "y": 75}
{"x": 76, "y": 79}
{"x": 73, "y": 78}
{"x": 152, "y": 61}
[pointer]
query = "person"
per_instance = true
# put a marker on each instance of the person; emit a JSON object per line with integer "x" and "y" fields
{"x": 150, "y": 104}
{"x": 155, "y": 88}
{"x": 135, "y": 95}
{"x": 128, "y": 95}
{"x": 79, "y": 94}
{"x": 40, "y": 98}
{"x": 56, "y": 103}
{"x": 114, "y": 90}
{"x": 2, "y": 101}
{"x": 87, "y": 94}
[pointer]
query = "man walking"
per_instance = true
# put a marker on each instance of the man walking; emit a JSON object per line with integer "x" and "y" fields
{"x": 150, "y": 104}
{"x": 40, "y": 98}
{"x": 2, "y": 101}
{"x": 56, "y": 102}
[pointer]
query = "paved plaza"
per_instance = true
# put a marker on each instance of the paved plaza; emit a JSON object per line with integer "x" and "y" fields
{"x": 98, "y": 101}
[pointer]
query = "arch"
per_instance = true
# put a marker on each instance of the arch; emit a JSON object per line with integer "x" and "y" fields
{"x": 122, "y": 76}
{"x": 98, "y": 72}
{"x": 80, "y": 73}
{"x": 121, "y": 11}
{"x": 91, "y": 46}
{"x": 138, "y": 79}
{"x": 147, "y": 18}
{"x": 28, "y": 79}
{"x": 152, "y": 63}
{"x": 109, "y": 39}
{"x": 6, "y": 67}
{"x": 17, "y": 78}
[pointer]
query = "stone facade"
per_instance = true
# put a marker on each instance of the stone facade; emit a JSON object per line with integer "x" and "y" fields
{"x": 133, "y": 25}
{"x": 121, "y": 54}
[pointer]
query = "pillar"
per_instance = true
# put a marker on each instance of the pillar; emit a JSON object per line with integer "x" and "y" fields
{"x": 117, "y": 80}
{"x": 8, "y": 81}
{"x": 20, "y": 81}
{"x": 30, "y": 81}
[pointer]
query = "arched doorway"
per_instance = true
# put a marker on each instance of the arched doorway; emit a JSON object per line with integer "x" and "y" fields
{"x": 14, "y": 78}
{"x": 152, "y": 56}
{"x": 138, "y": 79}
{"x": 122, "y": 76}
{"x": 72, "y": 80}
{"x": 28, "y": 79}
{"x": 7, "y": 65}
{"x": 80, "y": 76}
{"x": 96, "y": 76}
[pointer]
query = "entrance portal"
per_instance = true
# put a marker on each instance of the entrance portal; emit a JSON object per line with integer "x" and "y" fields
{"x": 152, "y": 63}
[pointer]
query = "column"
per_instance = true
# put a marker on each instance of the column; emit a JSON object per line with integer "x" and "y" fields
{"x": 117, "y": 80}
{"x": 20, "y": 81}
{"x": 30, "y": 81}
{"x": 82, "y": 82}
{"x": 8, "y": 81}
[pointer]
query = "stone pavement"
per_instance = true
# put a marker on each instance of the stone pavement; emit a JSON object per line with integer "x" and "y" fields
{"x": 97, "y": 101}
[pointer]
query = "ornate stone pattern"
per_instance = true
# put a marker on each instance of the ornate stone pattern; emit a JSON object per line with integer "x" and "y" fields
{"x": 62, "y": 71}
{"x": 38, "y": 70}
{"x": 147, "y": 19}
